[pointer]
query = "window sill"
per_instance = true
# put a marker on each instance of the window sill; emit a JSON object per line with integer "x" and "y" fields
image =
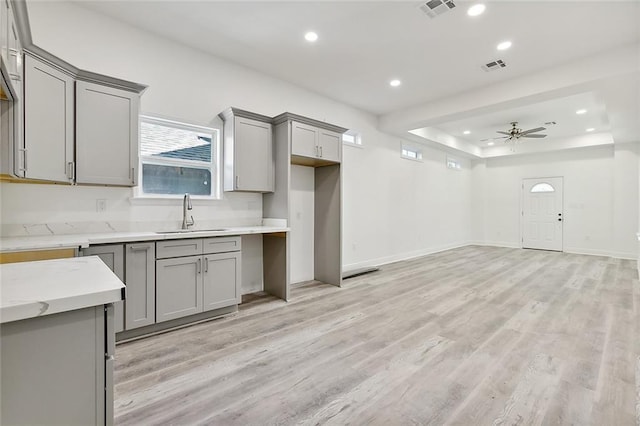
{"x": 353, "y": 145}
{"x": 419, "y": 160}
{"x": 170, "y": 200}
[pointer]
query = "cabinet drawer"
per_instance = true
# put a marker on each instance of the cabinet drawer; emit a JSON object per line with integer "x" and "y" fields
{"x": 221, "y": 244}
{"x": 178, "y": 248}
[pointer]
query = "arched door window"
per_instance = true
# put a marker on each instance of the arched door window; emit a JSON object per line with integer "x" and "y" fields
{"x": 542, "y": 187}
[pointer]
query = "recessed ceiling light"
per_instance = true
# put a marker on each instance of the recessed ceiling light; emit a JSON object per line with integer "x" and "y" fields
{"x": 467, "y": 132}
{"x": 491, "y": 143}
{"x": 476, "y": 9}
{"x": 311, "y": 36}
{"x": 581, "y": 111}
{"x": 395, "y": 83}
{"x": 504, "y": 45}
{"x": 590, "y": 129}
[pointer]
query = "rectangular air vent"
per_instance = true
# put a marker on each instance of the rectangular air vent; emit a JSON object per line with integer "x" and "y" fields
{"x": 495, "y": 65}
{"x": 433, "y": 8}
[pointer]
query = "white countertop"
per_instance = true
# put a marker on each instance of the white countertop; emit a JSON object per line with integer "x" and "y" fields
{"x": 42, "y": 242}
{"x": 32, "y": 289}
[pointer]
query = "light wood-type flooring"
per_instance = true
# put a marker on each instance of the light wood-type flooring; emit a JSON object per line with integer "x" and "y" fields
{"x": 470, "y": 336}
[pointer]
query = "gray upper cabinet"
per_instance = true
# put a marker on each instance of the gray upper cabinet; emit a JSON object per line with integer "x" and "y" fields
{"x": 48, "y": 151}
{"x": 248, "y": 151}
{"x": 106, "y": 135}
{"x": 304, "y": 140}
{"x": 141, "y": 285}
{"x": 113, "y": 256}
{"x": 314, "y": 142}
{"x": 330, "y": 145}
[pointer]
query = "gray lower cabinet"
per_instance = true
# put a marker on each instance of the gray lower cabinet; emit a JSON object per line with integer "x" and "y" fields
{"x": 178, "y": 287}
{"x": 113, "y": 256}
{"x": 141, "y": 285}
{"x": 59, "y": 368}
{"x": 196, "y": 282}
{"x": 221, "y": 278}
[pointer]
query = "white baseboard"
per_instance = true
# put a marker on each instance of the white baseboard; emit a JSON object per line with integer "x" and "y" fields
{"x": 402, "y": 256}
{"x": 430, "y": 250}
{"x": 605, "y": 253}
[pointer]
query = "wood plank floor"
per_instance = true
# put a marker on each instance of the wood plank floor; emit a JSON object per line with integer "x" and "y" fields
{"x": 471, "y": 336}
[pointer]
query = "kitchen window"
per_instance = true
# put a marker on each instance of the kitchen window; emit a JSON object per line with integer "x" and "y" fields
{"x": 176, "y": 158}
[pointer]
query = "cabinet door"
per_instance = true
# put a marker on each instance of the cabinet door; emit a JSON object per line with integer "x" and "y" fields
{"x": 53, "y": 369}
{"x": 14, "y": 51}
{"x": 221, "y": 283}
{"x": 330, "y": 145}
{"x": 4, "y": 30}
{"x": 140, "y": 303}
{"x": 178, "y": 287}
{"x": 106, "y": 135}
{"x": 113, "y": 257}
{"x": 48, "y": 121}
{"x": 253, "y": 155}
{"x": 304, "y": 140}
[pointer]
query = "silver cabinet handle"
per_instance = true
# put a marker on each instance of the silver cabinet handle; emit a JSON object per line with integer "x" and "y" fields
{"x": 199, "y": 266}
{"x": 320, "y": 151}
{"x": 237, "y": 182}
{"x": 206, "y": 264}
{"x": 24, "y": 159}
{"x": 140, "y": 248}
{"x": 133, "y": 175}
{"x": 71, "y": 170}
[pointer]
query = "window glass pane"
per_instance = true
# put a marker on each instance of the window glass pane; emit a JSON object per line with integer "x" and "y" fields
{"x": 542, "y": 187}
{"x": 159, "y": 179}
{"x": 348, "y": 138}
{"x": 157, "y": 140}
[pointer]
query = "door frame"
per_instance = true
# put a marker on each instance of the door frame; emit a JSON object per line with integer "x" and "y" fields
{"x": 522, "y": 208}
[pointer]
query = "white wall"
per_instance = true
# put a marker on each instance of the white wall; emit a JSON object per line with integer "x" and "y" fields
{"x": 392, "y": 209}
{"x": 301, "y": 200}
{"x": 600, "y": 197}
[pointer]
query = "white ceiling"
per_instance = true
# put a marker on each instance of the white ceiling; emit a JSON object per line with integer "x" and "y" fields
{"x": 364, "y": 44}
{"x": 562, "y": 111}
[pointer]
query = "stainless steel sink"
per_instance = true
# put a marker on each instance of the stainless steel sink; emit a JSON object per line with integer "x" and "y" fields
{"x": 189, "y": 231}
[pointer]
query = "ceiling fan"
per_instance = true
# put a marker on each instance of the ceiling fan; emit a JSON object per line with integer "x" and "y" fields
{"x": 515, "y": 133}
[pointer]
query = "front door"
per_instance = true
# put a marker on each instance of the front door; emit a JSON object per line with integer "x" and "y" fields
{"x": 542, "y": 213}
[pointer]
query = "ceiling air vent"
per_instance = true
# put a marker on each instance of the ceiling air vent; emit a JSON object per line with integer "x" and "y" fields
{"x": 495, "y": 65}
{"x": 434, "y": 8}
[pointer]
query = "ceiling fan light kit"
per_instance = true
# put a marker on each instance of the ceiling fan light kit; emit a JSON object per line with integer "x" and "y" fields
{"x": 515, "y": 134}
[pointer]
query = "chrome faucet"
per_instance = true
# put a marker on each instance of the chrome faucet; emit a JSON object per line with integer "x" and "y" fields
{"x": 186, "y": 205}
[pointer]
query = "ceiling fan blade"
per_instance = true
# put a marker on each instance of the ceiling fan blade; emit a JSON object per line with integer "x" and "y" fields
{"x": 533, "y": 136}
{"x": 503, "y": 133}
{"x": 493, "y": 139}
{"x": 536, "y": 130}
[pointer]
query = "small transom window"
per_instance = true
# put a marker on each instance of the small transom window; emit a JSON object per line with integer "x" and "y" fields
{"x": 411, "y": 153}
{"x": 542, "y": 187}
{"x": 351, "y": 137}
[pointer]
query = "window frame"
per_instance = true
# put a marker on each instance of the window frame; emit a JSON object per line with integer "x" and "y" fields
{"x": 215, "y": 166}
{"x": 357, "y": 139}
{"x": 410, "y": 148}
{"x": 453, "y": 164}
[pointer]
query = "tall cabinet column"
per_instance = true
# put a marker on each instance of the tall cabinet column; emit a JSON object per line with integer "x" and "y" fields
{"x": 306, "y": 142}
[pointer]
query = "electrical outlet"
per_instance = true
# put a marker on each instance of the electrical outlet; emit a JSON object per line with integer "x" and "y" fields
{"x": 101, "y": 205}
